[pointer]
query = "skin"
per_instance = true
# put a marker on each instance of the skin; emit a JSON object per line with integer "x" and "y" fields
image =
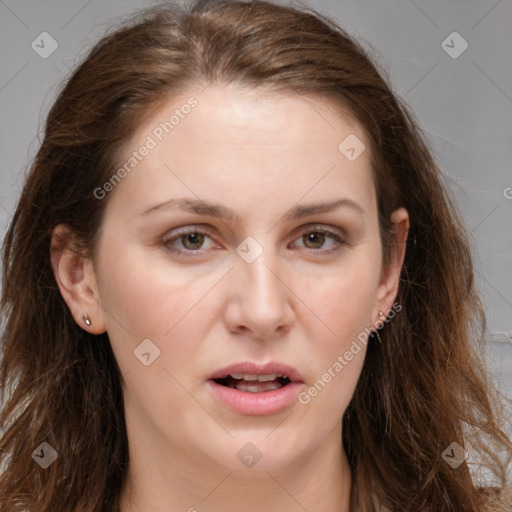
{"x": 301, "y": 302}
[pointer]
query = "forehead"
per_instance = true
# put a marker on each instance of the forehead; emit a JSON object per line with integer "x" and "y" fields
{"x": 245, "y": 142}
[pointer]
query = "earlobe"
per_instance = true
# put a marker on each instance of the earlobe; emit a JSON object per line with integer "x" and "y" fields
{"x": 76, "y": 281}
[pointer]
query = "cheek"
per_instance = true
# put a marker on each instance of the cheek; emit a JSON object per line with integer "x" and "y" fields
{"x": 343, "y": 303}
{"x": 149, "y": 302}
{"x": 337, "y": 355}
{"x": 144, "y": 301}
{"x": 341, "y": 350}
{"x": 344, "y": 299}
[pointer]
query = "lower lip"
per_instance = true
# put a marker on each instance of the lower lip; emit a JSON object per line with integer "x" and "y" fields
{"x": 256, "y": 404}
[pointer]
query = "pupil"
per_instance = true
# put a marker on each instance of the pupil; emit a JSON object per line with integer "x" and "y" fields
{"x": 195, "y": 239}
{"x": 312, "y": 236}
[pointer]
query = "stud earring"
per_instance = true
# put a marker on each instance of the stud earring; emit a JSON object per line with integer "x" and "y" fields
{"x": 87, "y": 320}
{"x": 381, "y": 313}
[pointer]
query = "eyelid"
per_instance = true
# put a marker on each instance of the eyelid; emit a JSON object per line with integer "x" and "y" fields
{"x": 191, "y": 228}
{"x": 322, "y": 228}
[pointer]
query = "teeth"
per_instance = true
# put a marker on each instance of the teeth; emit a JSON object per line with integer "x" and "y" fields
{"x": 253, "y": 387}
{"x": 250, "y": 377}
{"x": 262, "y": 378}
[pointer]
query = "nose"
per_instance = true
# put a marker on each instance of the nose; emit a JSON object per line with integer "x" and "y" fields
{"x": 259, "y": 298}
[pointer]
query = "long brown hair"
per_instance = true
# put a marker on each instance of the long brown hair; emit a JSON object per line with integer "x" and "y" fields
{"x": 421, "y": 389}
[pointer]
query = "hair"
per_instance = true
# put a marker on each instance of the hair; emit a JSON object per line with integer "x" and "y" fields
{"x": 424, "y": 387}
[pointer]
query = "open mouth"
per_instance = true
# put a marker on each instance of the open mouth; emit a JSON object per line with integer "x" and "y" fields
{"x": 254, "y": 383}
{"x": 255, "y": 389}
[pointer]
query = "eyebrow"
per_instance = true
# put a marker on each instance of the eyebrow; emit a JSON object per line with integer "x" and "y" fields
{"x": 222, "y": 212}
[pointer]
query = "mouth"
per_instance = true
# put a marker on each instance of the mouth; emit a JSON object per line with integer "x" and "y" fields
{"x": 252, "y": 383}
{"x": 254, "y": 389}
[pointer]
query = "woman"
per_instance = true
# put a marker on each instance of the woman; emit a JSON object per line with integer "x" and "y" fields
{"x": 236, "y": 281}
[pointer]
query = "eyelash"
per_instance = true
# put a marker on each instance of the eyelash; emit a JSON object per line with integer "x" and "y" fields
{"x": 341, "y": 242}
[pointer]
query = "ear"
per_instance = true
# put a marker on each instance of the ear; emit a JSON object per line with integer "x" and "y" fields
{"x": 76, "y": 279}
{"x": 390, "y": 275}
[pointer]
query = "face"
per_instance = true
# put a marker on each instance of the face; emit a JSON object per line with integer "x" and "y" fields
{"x": 256, "y": 283}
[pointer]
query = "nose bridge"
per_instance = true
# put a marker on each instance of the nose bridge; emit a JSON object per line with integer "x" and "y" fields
{"x": 262, "y": 278}
{"x": 260, "y": 288}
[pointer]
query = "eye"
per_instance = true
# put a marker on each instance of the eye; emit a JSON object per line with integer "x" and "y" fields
{"x": 191, "y": 241}
{"x": 314, "y": 238}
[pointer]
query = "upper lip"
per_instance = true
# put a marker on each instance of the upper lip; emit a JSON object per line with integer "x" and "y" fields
{"x": 251, "y": 368}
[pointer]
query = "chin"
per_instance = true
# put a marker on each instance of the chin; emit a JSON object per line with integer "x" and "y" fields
{"x": 253, "y": 453}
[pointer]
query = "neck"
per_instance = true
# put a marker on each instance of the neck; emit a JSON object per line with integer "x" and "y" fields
{"x": 172, "y": 480}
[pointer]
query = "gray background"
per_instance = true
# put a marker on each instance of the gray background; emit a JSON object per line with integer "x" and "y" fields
{"x": 463, "y": 103}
